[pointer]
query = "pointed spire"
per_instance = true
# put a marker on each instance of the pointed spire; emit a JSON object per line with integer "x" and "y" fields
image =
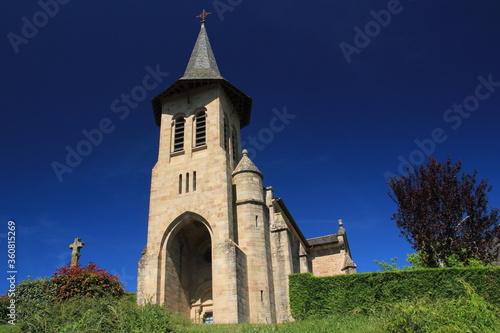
{"x": 202, "y": 70}
{"x": 202, "y": 64}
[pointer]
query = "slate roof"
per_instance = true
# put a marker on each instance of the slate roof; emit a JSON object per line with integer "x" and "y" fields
{"x": 323, "y": 240}
{"x": 202, "y": 70}
{"x": 202, "y": 64}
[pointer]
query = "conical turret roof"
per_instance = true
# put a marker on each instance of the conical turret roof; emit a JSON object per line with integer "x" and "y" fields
{"x": 246, "y": 165}
{"x": 202, "y": 64}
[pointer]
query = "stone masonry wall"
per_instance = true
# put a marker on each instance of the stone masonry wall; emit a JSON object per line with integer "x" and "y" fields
{"x": 211, "y": 201}
{"x": 328, "y": 261}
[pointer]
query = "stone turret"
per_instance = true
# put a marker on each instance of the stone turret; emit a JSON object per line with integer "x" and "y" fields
{"x": 249, "y": 180}
{"x": 252, "y": 223}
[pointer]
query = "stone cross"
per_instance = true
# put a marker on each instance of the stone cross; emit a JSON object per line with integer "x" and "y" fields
{"x": 75, "y": 254}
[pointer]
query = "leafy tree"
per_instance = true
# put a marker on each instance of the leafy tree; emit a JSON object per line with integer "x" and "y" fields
{"x": 415, "y": 260}
{"x": 386, "y": 267}
{"x": 85, "y": 281}
{"x": 445, "y": 215}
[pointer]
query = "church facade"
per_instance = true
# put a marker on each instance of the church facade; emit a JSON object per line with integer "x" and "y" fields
{"x": 220, "y": 245}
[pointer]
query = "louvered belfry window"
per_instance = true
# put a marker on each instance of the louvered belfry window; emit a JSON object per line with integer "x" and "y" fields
{"x": 234, "y": 143}
{"x": 201, "y": 129}
{"x": 179, "y": 134}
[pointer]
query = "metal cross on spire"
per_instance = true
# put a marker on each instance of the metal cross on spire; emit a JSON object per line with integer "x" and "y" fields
{"x": 203, "y": 15}
{"x": 75, "y": 254}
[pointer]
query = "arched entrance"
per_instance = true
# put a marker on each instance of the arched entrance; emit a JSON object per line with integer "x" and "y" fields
{"x": 188, "y": 270}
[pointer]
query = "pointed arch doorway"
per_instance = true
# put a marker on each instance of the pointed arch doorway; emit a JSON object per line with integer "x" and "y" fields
{"x": 188, "y": 269}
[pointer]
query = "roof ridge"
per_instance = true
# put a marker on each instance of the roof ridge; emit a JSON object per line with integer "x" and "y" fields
{"x": 336, "y": 234}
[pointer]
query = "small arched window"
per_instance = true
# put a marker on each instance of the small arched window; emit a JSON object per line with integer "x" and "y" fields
{"x": 179, "y": 133}
{"x": 201, "y": 129}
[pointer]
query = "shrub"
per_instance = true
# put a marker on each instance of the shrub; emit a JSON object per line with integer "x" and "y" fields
{"x": 104, "y": 314}
{"x": 468, "y": 313}
{"x": 75, "y": 315}
{"x": 33, "y": 295}
{"x": 88, "y": 281}
{"x": 4, "y": 303}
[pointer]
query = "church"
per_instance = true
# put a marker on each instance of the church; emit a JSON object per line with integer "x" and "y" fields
{"x": 220, "y": 245}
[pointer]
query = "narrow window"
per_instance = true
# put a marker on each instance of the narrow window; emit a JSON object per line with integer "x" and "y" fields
{"x": 201, "y": 129}
{"x": 180, "y": 184}
{"x": 262, "y": 295}
{"x": 194, "y": 181}
{"x": 179, "y": 134}
{"x": 226, "y": 134}
{"x": 187, "y": 182}
{"x": 256, "y": 220}
{"x": 235, "y": 145}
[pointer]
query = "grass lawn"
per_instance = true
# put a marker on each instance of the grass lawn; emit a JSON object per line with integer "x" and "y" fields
{"x": 341, "y": 324}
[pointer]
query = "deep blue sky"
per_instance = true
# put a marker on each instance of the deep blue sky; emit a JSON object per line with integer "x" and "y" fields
{"x": 353, "y": 121}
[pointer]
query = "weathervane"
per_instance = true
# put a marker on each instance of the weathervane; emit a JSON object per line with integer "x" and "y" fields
{"x": 203, "y": 15}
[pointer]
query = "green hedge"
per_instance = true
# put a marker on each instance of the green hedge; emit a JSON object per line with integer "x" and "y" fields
{"x": 318, "y": 296}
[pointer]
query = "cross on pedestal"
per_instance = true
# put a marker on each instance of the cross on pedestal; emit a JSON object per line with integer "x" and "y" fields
{"x": 75, "y": 254}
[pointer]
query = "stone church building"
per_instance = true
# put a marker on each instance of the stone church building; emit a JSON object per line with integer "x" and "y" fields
{"x": 220, "y": 245}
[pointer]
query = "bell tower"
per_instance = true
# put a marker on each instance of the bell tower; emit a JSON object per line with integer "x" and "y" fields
{"x": 220, "y": 246}
{"x": 192, "y": 262}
